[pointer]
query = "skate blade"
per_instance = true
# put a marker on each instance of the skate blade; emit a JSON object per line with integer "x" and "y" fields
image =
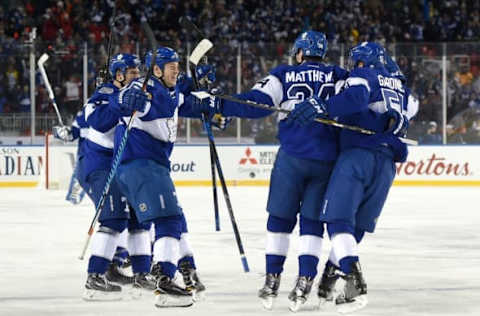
{"x": 326, "y": 304}
{"x": 137, "y": 293}
{"x": 94, "y": 295}
{"x": 296, "y": 305}
{"x": 267, "y": 302}
{"x": 198, "y": 296}
{"x": 358, "y": 303}
{"x": 165, "y": 300}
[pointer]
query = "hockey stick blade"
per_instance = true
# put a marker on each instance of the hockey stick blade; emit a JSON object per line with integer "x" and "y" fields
{"x": 204, "y": 94}
{"x": 42, "y": 59}
{"x": 200, "y": 50}
{"x": 40, "y": 63}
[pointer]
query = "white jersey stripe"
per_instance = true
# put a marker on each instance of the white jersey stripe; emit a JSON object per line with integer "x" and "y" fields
{"x": 357, "y": 81}
{"x": 272, "y": 87}
{"x": 102, "y": 139}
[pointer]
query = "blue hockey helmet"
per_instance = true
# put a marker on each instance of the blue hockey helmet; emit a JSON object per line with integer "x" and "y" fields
{"x": 116, "y": 65}
{"x": 164, "y": 56}
{"x": 392, "y": 67}
{"x": 312, "y": 44}
{"x": 371, "y": 54}
{"x": 131, "y": 60}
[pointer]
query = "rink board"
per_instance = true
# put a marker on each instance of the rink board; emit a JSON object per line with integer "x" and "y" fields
{"x": 243, "y": 165}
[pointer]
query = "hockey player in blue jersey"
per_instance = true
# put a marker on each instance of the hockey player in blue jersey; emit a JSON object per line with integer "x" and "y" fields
{"x": 111, "y": 237}
{"x": 144, "y": 170}
{"x": 373, "y": 99}
{"x": 78, "y": 130}
{"x": 303, "y": 165}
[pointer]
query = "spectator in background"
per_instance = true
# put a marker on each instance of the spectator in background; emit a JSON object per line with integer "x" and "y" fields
{"x": 12, "y": 77}
{"x": 431, "y": 136}
{"x": 49, "y": 27}
{"x": 42, "y": 102}
{"x": 72, "y": 94}
{"x": 24, "y": 100}
{"x": 454, "y": 136}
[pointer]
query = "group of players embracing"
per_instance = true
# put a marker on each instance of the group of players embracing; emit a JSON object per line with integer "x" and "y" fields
{"x": 324, "y": 177}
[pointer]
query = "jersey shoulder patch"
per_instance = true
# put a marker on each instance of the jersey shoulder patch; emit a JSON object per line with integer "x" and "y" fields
{"x": 105, "y": 90}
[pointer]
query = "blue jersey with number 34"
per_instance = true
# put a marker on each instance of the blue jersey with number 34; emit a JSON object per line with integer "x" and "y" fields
{"x": 285, "y": 87}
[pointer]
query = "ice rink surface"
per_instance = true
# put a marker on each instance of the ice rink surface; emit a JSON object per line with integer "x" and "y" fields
{"x": 424, "y": 258}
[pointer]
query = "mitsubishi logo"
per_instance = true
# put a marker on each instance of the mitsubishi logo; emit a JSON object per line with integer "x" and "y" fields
{"x": 248, "y": 152}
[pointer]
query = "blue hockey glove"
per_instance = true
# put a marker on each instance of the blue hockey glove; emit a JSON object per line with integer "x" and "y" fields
{"x": 134, "y": 99}
{"x": 221, "y": 122}
{"x": 63, "y": 133}
{"x": 205, "y": 74}
{"x": 210, "y": 105}
{"x": 397, "y": 123}
{"x": 307, "y": 111}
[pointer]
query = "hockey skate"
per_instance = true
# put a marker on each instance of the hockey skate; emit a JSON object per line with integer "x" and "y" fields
{"x": 269, "y": 291}
{"x": 168, "y": 293}
{"x": 97, "y": 288}
{"x": 191, "y": 281}
{"x": 298, "y": 296}
{"x": 143, "y": 284}
{"x": 326, "y": 287}
{"x": 116, "y": 275}
{"x": 354, "y": 295}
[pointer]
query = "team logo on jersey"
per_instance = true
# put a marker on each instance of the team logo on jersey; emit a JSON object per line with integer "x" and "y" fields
{"x": 252, "y": 160}
{"x": 142, "y": 207}
{"x": 320, "y": 44}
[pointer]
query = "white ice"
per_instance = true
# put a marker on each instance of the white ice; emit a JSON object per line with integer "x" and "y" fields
{"x": 424, "y": 258}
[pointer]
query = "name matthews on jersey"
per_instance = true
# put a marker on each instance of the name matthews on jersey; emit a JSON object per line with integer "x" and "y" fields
{"x": 308, "y": 75}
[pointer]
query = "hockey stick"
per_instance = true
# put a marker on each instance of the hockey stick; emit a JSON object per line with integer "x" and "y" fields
{"x": 192, "y": 28}
{"x": 123, "y": 142}
{"x": 194, "y": 59}
{"x": 236, "y": 232}
{"x": 104, "y": 74}
{"x": 204, "y": 94}
{"x": 40, "y": 63}
{"x": 197, "y": 54}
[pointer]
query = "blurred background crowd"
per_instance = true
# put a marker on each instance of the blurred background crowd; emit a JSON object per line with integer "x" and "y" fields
{"x": 250, "y": 36}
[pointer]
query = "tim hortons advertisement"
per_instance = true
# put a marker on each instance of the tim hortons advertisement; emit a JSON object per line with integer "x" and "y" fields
{"x": 440, "y": 165}
{"x": 21, "y": 166}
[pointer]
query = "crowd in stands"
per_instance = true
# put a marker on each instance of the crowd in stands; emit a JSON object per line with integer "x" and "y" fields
{"x": 262, "y": 29}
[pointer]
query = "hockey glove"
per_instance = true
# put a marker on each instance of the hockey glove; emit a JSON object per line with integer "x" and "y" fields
{"x": 134, "y": 99}
{"x": 205, "y": 75}
{"x": 210, "y": 105}
{"x": 307, "y": 111}
{"x": 63, "y": 133}
{"x": 397, "y": 123}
